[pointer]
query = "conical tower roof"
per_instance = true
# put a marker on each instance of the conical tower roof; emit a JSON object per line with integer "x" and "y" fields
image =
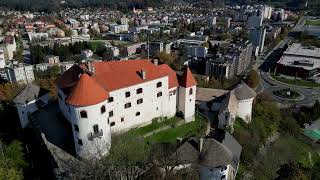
{"x": 187, "y": 79}
{"x": 87, "y": 92}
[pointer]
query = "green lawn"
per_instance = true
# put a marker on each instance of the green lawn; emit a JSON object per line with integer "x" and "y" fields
{"x": 194, "y": 128}
{"x": 315, "y": 22}
{"x": 284, "y": 150}
{"x": 155, "y": 125}
{"x": 296, "y": 82}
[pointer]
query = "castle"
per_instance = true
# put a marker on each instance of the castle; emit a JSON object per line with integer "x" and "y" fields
{"x": 100, "y": 98}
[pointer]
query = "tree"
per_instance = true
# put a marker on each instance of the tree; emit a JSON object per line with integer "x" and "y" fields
{"x": 127, "y": 159}
{"x": 253, "y": 79}
{"x": 292, "y": 171}
{"x": 12, "y": 161}
{"x": 289, "y": 125}
{"x": 315, "y": 171}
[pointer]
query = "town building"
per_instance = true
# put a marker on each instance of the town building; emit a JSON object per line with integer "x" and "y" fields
{"x": 212, "y": 21}
{"x": 257, "y": 37}
{"x": 51, "y": 59}
{"x": 220, "y": 67}
{"x": 19, "y": 72}
{"x": 300, "y": 61}
{"x": 2, "y": 60}
{"x": 254, "y": 22}
{"x": 197, "y": 51}
{"x": 30, "y": 100}
{"x": 119, "y": 28}
{"x": 115, "y": 96}
{"x": 157, "y": 47}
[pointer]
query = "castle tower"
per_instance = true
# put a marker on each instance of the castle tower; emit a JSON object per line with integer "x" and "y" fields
{"x": 87, "y": 111}
{"x": 187, "y": 95}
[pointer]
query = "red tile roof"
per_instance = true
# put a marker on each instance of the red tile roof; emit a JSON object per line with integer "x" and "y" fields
{"x": 187, "y": 79}
{"x": 87, "y": 92}
{"x": 113, "y": 75}
{"x": 173, "y": 80}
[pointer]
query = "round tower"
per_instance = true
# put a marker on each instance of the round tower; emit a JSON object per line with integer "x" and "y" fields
{"x": 87, "y": 105}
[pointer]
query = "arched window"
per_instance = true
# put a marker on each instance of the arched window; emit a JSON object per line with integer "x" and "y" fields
{"x": 159, "y": 84}
{"x": 83, "y": 114}
{"x": 103, "y": 109}
{"x": 138, "y": 113}
{"x": 190, "y": 91}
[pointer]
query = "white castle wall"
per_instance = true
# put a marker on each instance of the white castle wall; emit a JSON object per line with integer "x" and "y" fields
{"x": 187, "y": 102}
{"x": 125, "y": 118}
{"x": 244, "y": 110}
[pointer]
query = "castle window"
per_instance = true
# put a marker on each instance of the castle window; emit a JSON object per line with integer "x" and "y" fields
{"x": 112, "y": 124}
{"x": 122, "y": 119}
{"x": 110, "y": 113}
{"x": 137, "y": 113}
{"x": 95, "y": 128}
{"x": 110, "y": 99}
{"x": 139, "y": 91}
{"x": 159, "y": 94}
{"x": 139, "y": 101}
{"x": 76, "y": 128}
{"x": 83, "y": 114}
{"x": 223, "y": 177}
{"x": 80, "y": 142}
{"x": 127, "y": 105}
{"x": 103, "y": 109}
{"x": 190, "y": 91}
{"x": 159, "y": 84}
{"x": 128, "y": 94}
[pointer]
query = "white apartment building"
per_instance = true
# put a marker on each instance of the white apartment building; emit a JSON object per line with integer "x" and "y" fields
{"x": 103, "y": 97}
{"x": 37, "y": 37}
{"x": 119, "y": 28}
{"x": 2, "y": 60}
{"x": 197, "y": 51}
{"x": 19, "y": 72}
{"x": 64, "y": 66}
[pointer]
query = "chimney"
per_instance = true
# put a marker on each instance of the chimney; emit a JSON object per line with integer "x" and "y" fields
{"x": 143, "y": 74}
{"x": 200, "y": 144}
{"x": 155, "y": 62}
{"x": 90, "y": 67}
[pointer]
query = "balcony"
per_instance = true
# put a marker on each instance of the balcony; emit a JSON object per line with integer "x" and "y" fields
{"x": 98, "y": 134}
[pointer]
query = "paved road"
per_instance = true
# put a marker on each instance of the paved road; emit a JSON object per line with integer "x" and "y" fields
{"x": 268, "y": 84}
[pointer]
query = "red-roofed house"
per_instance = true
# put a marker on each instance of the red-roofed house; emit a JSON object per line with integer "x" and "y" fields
{"x": 103, "y": 97}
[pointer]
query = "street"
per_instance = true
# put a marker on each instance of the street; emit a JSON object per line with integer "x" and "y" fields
{"x": 268, "y": 85}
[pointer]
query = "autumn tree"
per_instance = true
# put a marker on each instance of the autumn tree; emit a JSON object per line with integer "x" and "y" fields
{"x": 253, "y": 79}
{"x": 292, "y": 171}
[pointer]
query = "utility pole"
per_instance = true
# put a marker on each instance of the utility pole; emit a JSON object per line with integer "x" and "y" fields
{"x": 148, "y": 47}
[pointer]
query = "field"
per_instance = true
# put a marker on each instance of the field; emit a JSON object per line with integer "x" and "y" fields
{"x": 315, "y": 22}
{"x": 296, "y": 82}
